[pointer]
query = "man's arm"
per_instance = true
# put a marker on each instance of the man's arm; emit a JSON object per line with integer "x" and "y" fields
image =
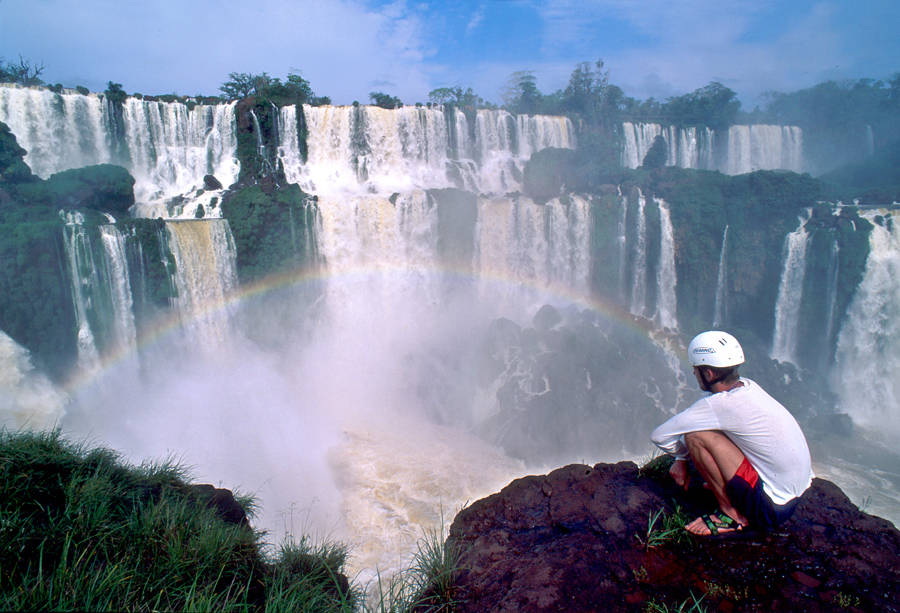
{"x": 670, "y": 435}
{"x": 680, "y": 474}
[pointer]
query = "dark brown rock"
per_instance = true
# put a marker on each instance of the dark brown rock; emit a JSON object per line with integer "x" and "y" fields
{"x": 210, "y": 182}
{"x": 221, "y": 501}
{"x": 576, "y": 540}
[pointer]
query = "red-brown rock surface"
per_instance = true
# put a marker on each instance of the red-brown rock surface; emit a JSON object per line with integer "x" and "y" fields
{"x": 576, "y": 540}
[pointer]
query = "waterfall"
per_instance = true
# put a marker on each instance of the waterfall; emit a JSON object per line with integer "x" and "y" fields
{"x": 384, "y": 151}
{"x": 639, "y": 264}
{"x": 289, "y": 144}
{"x": 831, "y": 293}
{"x": 124, "y": 334}
{"x": 168, "y": 146}
{"x": 790, "y": 294}
{"x": 745, "y": 148}
{"x": 536, "y": 247}
{"x": 58, "y": 131}
{"x": 171, "y": 149}
{"x": 622, "y": 241}
{"x": 868, "y": 350}
{"x": 720, "y": 311}
{"x": 84, "y": 275}
{"x": 666, "y": 307}
{"x": 205, "y": 279}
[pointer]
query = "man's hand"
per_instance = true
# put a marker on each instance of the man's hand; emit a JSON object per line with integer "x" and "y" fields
{"x": 679, "y": 472}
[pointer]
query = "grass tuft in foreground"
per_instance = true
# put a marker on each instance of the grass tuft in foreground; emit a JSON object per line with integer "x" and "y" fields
{"x": 81, "y": 530}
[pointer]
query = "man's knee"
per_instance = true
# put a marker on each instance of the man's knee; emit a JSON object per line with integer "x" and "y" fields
{"x": 705, "y": 438}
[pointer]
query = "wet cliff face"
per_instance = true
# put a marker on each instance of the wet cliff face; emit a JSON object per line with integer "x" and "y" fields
{"x": 577, "y": 539}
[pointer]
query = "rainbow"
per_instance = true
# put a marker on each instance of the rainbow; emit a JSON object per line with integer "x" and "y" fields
{"x": 171, "y": 324}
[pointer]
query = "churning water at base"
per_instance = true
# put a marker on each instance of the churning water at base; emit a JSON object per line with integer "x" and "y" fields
{"x": 868, "y": 352}
{"x": 28, "y": 399}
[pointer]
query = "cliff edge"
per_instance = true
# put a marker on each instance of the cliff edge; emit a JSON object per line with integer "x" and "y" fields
{"x": 580, "y": 539}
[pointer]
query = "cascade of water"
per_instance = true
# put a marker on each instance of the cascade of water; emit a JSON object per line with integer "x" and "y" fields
{"x": 622, "y": 241}
{"x": 870, "y": 141}
{"x": 205, "y": 279}
{"x": 172, "y": 147}
{"x": 383, "y": 151}
{"x": 535, "y": 246}
{"x": 638, "y": 304}
{"x": 790, "y": 294}
{"x": 123, "y": 331}
{"x": 747, "y": 147}
{"x": 58, "y": 131}
{"x": 168, "y": 148}
{"x": 638, "y": 138}
{"x": 289, "y": 144}
{"x": 831, "y": 292}
{"x": 84, "y": 276}
{"x": 721, "y": 306}
{"x": 868, "y": 349}
{"x": 666, "y": 305}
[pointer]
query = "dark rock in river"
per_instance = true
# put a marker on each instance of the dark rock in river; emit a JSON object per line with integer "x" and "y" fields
{"x": 210, "y": 182}
{"x": 577, "y": 540}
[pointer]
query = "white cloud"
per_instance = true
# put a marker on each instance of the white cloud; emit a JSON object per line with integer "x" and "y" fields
{"x": 340, "y": 46}
{"x": 475, "y": 20}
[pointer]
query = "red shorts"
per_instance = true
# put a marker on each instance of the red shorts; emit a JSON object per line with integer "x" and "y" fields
{"x": 745, "y": 491}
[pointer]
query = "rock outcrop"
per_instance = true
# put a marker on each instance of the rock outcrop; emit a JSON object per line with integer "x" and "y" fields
{"x": 578, "y": 539}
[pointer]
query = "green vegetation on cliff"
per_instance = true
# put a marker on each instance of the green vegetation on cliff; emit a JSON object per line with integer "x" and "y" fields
{"x": 273, "y": 232}
{"x": 83, "y": 531}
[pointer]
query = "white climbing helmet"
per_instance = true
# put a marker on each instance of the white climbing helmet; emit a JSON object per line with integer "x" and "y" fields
{"x": 717, "y": 349}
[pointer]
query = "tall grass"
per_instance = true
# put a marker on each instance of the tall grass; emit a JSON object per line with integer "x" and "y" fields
{"x": 81, "y": 530}
{"x": 427, "y": 585}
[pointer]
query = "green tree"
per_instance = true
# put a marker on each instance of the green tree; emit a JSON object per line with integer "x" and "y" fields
{"x": 385, "y": 101}
{"x": 457, "y": 96}
{"x": 713, "y": 105}
{"x": 243, "y": 84}
{"x": 115, "y": 93}
{"x": 657, "y": 154}
{"x": 586, "y": 91}
{"x": 521, "y": 94}
{"x": 22, "y": 72}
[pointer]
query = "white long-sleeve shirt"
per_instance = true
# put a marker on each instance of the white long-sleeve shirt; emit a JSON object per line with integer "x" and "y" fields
{"x": 767, "y": 434}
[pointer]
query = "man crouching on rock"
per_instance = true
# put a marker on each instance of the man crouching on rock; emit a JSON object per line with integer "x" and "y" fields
{"x": 744, "y": 443}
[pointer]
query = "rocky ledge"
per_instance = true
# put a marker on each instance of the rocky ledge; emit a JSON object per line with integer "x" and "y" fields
{"x": 579, "y": 539}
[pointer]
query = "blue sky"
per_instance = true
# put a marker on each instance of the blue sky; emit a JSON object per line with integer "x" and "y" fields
{"x": 348, "y": 48}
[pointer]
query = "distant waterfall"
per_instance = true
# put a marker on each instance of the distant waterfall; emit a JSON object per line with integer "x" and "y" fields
{"x": 205, "y": 278}
{"x": 167, "y": 147}
{"x": 394, "y": 150}
{"x": 171, "y": 148}
{"x": 638, "y": 304}
{"x": 721, "y": 307}
{"x": 638, "y": 285}
{"x": 831, "y": 293}
{"x": 666, "y": 308}
{"x": 101, "y": 290}
{"x": 868, "y": 350}
{"x": 790, "y": 295}
{"x": 532, "y": 245}
{"x": 124, "y": 333}
{"x": 85, "y": 281}
{"x": 58, "y": 131}
{"x": 289, "y": 144}
{"x": 742, "y": 149}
